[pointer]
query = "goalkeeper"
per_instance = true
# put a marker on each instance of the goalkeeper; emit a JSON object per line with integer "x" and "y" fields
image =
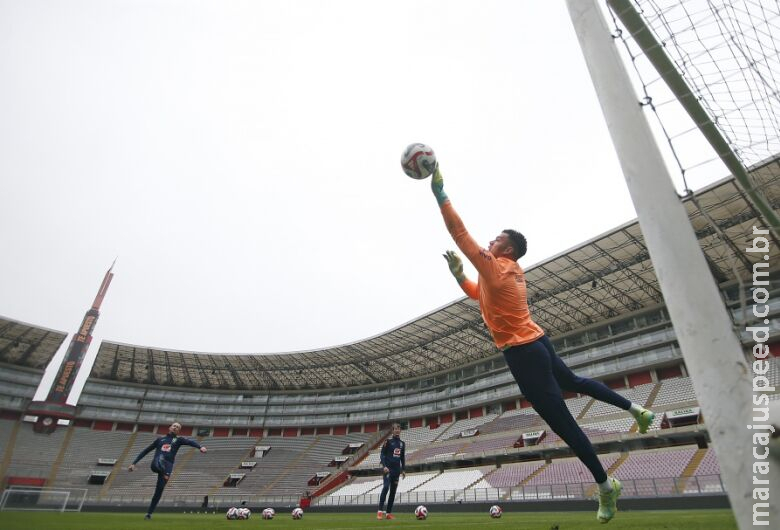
{"x": 539, "y": 372}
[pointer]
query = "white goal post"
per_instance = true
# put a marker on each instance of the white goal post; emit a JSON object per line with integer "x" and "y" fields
{"x": 704, "y": 329}
{"x": 18, "y": 498}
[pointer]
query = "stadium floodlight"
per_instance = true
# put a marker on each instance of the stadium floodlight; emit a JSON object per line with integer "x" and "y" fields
{"x": 704, "y": 329}
{"x": 34, "y": 499}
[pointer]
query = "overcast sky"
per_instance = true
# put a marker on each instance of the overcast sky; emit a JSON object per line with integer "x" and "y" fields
{"x": 241, "y": 159}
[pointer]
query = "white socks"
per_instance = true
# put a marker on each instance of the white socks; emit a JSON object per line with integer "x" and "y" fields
{"x": 635, "y": 409}
{"x": 606, "y": 486}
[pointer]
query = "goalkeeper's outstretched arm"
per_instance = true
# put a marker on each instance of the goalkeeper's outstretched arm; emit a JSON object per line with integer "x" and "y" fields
{"x": 478, "y": 256}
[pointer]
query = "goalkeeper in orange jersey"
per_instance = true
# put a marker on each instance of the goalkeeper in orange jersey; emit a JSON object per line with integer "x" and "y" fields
{"x": 529, "y": 354}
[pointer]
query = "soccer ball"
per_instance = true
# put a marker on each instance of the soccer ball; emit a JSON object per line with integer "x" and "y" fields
{"x": 244, "y": 513}
{"x": 418, "y": 161}
{"x": 496, "y": 511}
{"x": 268, "y": 513}
{"x": 421, "y": 512}
{"x": 297, "y": 513}
{"x": 232, "y": 513}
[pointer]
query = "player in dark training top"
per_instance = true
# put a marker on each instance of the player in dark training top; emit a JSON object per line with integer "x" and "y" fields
{"x": 393, "y": 459}
{"x": 165, "y": 449}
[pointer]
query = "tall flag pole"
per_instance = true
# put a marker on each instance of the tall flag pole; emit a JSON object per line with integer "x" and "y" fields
{"x": 55, "y": 406}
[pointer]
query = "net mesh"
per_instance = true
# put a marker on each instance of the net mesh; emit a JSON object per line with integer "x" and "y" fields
{"x": 728, "y": 52}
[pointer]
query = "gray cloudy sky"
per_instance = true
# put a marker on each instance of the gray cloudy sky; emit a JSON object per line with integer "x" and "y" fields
{"x": 242, "y": 160}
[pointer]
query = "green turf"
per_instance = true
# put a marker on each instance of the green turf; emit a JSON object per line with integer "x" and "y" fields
{"x": 645, "y": 520}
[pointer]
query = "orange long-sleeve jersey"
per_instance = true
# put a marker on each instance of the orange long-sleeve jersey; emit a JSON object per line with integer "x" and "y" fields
{"x": 500, "y": 288}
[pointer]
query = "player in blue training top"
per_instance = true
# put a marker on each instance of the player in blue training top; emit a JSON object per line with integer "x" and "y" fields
{"x": 393, "y": 460}
{"x": 165, "y": 449}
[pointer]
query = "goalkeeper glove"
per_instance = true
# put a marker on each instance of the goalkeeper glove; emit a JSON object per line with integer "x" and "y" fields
{"x": 437, "y": 186}
{"x": 455, "y": 264}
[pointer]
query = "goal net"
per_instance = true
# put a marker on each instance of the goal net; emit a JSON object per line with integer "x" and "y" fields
{"x": 42, "y": 499}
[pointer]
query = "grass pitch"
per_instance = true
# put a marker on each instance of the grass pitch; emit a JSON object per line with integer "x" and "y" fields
{"x": 637, "y": 520}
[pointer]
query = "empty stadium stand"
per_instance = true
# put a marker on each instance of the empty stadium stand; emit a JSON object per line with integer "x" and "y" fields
{"x": 81, "y": 456}
{"x": 34, "y": 454}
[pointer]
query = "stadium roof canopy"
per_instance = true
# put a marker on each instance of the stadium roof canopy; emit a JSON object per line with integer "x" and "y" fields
{"x": 608, "y": 276}
{"x": 27, "y": 345}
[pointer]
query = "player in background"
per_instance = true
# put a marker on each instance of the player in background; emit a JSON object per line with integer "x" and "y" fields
{"x": 393, "y": 460}
{"x": 165, "y": 449}
{"x": 538, "y": 370}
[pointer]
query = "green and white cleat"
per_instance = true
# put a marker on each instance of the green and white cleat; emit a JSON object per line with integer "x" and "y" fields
{"x": 645, "y": 419}
{"x": 608, "y": 502}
